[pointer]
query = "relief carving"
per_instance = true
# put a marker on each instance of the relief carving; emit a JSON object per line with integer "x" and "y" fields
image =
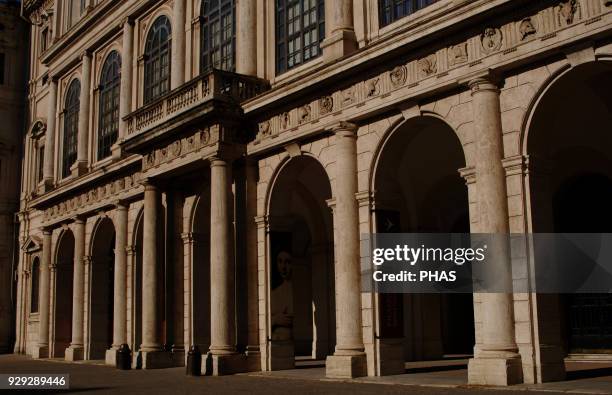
{"x": 398, "y": 76}
{"x": 457, "y": 54}
{"x": 284, "y": 120}
{"x": 264, "y": 128}
{"x": 326, "y": 105}
{"x": 527, "y": 28}
{"x": 348, "y": 96}
{"x": 304, "y": 114}
{"x": 491, "y": 40}
{"x": 428, "y": 66}
{"x": 372, "y": 87}
{"x": 567, "y": 10}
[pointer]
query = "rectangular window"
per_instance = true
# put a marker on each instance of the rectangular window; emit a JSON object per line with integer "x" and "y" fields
{"x": 2, "y": 67}
{"x": 41, "y": 163}
{"x": 390, "y": 11}
{"x": 300, "y": 28}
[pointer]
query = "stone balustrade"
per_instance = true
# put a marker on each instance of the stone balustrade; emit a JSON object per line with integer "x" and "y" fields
{"x": 215, "y": 85}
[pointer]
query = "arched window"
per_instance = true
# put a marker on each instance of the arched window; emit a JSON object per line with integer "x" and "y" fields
{"x": 110, "y": 82}
{"x": 71, "y": 126}
{"x": 300, "y": 28}
{"x": 34, "y": 281}
{"x": 157, "y": 59}
{"x": 217, "y": 35}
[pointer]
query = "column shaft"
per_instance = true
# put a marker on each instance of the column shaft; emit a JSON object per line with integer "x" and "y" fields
{"x": 48, "y": 169}
{"x": 496, "y": 359}
{"x": 177, "y": 70}
{"x": 43, "y": 297}
{"x": 246, "y": 37}
{"x": 120, "y": 288}
{"x": 83, "y": 133}
{"x": 150, "y": 335}
{"x": 221, "y": 265}
{"x": 253, "y": 351}
{"x": 349, "y": 357}
{"x": 78, "y": 285}
{"x": 125, "y": 102}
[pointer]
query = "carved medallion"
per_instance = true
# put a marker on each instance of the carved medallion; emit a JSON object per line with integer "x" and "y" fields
{"x": 398, "y": 76}
{"x": 264, "y": 128}
{"x": 491, "y": 40}
{"x": 204, "y": 137}
{"x": 326, "y": 105}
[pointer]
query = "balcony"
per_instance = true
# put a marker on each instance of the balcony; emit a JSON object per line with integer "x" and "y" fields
{"x": 196, "y": 98}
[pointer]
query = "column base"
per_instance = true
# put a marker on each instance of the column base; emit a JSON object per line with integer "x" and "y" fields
{"x": 346, "y": 366}
{"x": 253, "y": 361}
{"x": 111, "y": 356}
{"x": 40, "y": 352}
{"x": 116, "y": 152}
{"x": 338, "y": 45}
{"x": 502, "y": 371}
{"x": 78, "y": 169}
{"x": 224, "y": 364}
{"x": 155, "y": 360}
{"x": 73, "y": 354}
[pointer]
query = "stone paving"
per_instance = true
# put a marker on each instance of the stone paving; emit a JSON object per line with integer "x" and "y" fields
{"x": 95, "y": 377}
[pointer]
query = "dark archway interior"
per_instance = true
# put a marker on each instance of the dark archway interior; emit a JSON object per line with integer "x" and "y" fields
{"x": 302, "y": 302}
{"x": 570, "y": 147}
{"x": 102, "y": 292}
{"x": 63, "y": 293}
{"x": 201, "y": 273}
{"x": 418, "y": 189}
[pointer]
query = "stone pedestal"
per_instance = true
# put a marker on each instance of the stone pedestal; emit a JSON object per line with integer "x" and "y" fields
{"x": 346, "y": 366}
{"x": 340, "y": 39}
{"x": 73, "y": 354}
{"x": 497, "y": 369}
{"x": 41, "y": 350}
{"x": 155, "y": 359}
{"x": 221, "y": 365}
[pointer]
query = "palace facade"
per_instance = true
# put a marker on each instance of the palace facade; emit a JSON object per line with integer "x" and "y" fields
{"x": 202, "y": 173}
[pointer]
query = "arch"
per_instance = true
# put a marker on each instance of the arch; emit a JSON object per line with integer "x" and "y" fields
{"x": 301, "y": 301}
{"x": 217, "y": 35}
{"x": 62, "y": 323}
{"x": 417, "y": 188}
{"x": 157, "y": 59}
{"x": 71, "y": 126}
{"x": 566, "y": 141}
{"x": 101, "y": 293}
{"x": 108, "y": 121}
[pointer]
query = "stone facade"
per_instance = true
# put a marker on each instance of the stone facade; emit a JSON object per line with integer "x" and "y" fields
{"x": 12, "y": 96}
{"x": 181, "y": 236}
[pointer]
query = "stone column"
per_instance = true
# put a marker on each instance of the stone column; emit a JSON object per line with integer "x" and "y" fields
{"x": 151, "y": 347}
{"x": 57, "y": 20}
{"x": 225, "y": 359}
{"x": 80, "y": 166}
{"x": 76, "y": 351}
{"x": 120, "y": 282}
{"x": 496, "y": 360}
{"x": 48, "y": 168}
{"x": 253, "y": 352}
{"x": 42, "y": 348}
{"x": 177, "y": 68}
{"x": 187, "y": 238}
{"x": 349, "y": 359}
{"x": 125, "y": 101}
{"x": 340, "y": 39}
{"x": 246, "y": 37}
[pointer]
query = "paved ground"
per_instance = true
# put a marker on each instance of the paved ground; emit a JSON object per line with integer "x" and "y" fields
{"x": 97, "y": 378}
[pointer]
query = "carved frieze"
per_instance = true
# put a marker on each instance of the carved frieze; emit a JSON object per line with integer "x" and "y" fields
{"x": 326, "y": 105}
{"x": 567, "y": 10}
{"x": 199, "y": 139}
{"x": 491, "y": 40}
{"x": 527, "y": 28}
{"x": 457, "y": 54}
{"x": 428, "y": 66}
{"x": 398, "y": 76}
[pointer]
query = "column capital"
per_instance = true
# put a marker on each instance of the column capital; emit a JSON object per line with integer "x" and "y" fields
{"x": 468, "y": 174}
{"x": 128, "y": 20}
{"x": 148, "y": 184}
{"x": 218, "y": 161}
{"x": 85, "y": 54}
{"x": 46, "y": 231}
{"x": 484, "y": 80}
{"x": 121, "y": 204}
{"x": 344, "y": 128}
{"x": 79, "y": 219}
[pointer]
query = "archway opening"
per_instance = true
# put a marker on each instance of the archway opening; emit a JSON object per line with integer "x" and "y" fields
{"x": 301, "y": 266}
{"x": 102, "y": 289}
{"x": 62, "y": 331}
{"x": 200, "y": 276}
{"x": 570, "y": 150}
{"x": 418, "y": 189}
